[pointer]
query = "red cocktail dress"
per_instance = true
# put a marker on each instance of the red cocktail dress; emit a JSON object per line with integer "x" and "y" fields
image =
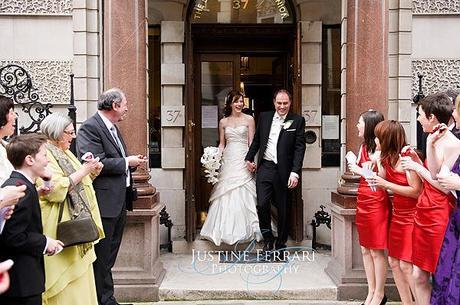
{"x": 372, "y": 212}
{"x": 402, "y": 218}
{"x": 431, "y": 218}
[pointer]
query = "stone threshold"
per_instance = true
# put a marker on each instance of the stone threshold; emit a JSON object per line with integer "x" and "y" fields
{"x": 188, "y": 279}
{"x": 184, "y": 247}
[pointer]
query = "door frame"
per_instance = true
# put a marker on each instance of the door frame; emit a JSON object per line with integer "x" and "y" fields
{"x": 257, "y": 38}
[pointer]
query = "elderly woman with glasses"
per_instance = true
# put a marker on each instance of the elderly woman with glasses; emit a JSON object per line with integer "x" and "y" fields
{"x": 69, "y": 275}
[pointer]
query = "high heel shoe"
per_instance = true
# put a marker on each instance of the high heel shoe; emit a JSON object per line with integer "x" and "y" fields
{"x": 384, "y": 300}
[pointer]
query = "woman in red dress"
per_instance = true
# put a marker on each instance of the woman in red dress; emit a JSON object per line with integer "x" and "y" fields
{"x": 435, "y": 203}
{"x": 372, "y": 211}
{"x": 406, "y": 187}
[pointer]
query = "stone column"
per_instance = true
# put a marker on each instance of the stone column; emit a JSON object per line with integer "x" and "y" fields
{"x": 367, "y": 62}
{"x": 366, "y": 73}
{"x": 138, "y": 271}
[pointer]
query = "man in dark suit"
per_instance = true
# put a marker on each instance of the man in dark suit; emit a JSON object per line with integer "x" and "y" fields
{"x": 280, "y": 141}
{"x": 22, "y": 239}
{"x": 113, "y": 186}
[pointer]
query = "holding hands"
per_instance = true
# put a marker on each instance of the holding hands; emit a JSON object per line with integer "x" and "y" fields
{"x": 251, "y": 166}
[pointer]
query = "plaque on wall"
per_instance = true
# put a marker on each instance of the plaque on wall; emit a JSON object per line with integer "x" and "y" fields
{"x": 209, "y": 116}
{"x": 330, "y": 127}
{"x": 173, "y": 116}
{"x": 312, "y": 115}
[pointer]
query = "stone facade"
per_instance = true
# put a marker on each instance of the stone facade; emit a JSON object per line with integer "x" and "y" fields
{"x": 75, "y": 47}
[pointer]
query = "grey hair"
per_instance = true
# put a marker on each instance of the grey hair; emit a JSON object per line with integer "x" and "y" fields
{"x": 108, "y": 97}
{"x": 53, "y": 125}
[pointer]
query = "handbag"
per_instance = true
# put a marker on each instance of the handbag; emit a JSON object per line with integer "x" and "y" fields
{"x": 76, "y": 231}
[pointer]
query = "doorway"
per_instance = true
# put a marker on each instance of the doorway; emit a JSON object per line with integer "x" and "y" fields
{"x": 257, "y": 61}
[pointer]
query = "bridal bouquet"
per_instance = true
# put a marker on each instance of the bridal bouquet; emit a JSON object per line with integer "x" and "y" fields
{"x": 211, "y": 163}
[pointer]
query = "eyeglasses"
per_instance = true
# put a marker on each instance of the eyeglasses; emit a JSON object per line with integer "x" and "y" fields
{"x": 70, "y": 132}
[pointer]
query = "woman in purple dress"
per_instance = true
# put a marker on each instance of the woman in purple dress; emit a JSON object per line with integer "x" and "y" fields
{"x": 446, "y": 279}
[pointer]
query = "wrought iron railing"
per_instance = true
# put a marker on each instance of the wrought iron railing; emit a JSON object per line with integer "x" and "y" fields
{"x": 16, "y": 83}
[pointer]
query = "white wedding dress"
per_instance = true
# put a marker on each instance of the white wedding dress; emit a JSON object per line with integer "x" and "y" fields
{"x": 232, "y": 214}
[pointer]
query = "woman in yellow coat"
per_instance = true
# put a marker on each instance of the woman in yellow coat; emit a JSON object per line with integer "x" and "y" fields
{"x": 69, "y": 274}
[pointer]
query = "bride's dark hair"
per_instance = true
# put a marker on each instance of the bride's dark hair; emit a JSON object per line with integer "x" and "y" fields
{"x": 232, "y": 96}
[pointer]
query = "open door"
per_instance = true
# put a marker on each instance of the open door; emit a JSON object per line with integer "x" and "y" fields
{"x": 296, "y": 213}
{"x": 214, "y": 76}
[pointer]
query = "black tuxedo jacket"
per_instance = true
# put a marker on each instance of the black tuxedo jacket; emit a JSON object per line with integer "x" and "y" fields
{"x": 22, "y": 240}
{"x": 110, "y": 186}
{"x": 290, "y": 147}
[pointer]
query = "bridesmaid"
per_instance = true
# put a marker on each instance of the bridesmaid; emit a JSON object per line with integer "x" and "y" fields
{"x": 372, "y": 212}
{"x": 446, "y": 280}
{"x": 435, "y": 203}
{"x": 406, "y": 187}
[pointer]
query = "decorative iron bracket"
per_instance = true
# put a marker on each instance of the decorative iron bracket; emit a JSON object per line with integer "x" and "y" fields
{"x": 16, "y": 83}
{"x": 321, "y": 217}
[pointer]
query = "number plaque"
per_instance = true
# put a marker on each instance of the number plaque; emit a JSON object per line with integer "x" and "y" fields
{"x": 173, "y": 115}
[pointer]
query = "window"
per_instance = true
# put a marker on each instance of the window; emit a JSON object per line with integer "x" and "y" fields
{"x": 242, "y": 11}
{"x": 331, "y": 95}
{"x": 154, "y": 97}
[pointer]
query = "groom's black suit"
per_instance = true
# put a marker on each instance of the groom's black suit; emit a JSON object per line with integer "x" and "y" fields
{"x": 272, "y": 178}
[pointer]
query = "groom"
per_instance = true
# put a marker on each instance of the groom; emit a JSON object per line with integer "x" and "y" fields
{"x": 280, "y": 141}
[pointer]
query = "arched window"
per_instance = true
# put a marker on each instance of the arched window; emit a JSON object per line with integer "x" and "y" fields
{"x": 242, "y": 11}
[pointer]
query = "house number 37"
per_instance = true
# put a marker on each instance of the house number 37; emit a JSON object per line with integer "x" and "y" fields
{"x": 237, "y": 4}
{"x": 172, "y": 115}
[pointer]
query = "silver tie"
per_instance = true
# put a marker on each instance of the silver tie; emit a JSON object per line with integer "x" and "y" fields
{"x": 117, "y": 140}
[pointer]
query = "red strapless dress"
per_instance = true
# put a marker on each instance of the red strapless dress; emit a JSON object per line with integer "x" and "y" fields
{"x": 402, "y": 219}
{"x": 372, "y": 212}
{"x": 431, "y": 219}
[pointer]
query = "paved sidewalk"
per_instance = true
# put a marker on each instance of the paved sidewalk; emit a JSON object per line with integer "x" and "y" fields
{"x": 264, "y": 302}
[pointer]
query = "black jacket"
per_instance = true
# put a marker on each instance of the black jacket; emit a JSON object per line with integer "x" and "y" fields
{"x": 110, "y": 186}
{"x": 22, "y": 240}
{"x": 290, "y": 147}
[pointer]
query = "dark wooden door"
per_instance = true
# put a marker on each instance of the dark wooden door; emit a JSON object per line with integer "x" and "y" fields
{"x": 296, "y": 227}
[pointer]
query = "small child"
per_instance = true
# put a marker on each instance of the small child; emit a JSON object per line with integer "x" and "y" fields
{"x": 22, "y": 239}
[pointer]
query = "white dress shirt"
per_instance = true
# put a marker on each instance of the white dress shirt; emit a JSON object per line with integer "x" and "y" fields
{"x": 271, "y": 151}
{"x": 109, "y": 126}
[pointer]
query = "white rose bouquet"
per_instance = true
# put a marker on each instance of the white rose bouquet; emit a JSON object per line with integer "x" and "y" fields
{"x": 211, "y": 163}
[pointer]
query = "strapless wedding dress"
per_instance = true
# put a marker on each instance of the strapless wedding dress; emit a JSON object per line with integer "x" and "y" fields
{"x": 232, "y": 214}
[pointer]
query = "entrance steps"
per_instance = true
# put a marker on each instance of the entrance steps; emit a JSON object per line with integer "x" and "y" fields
{"x": 184, "y": 247}
{"x": 260, "y": 302}
{"x": 302, "y": 279}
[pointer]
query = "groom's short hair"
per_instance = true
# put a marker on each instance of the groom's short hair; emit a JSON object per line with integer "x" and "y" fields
{"x": 282, "y": 91}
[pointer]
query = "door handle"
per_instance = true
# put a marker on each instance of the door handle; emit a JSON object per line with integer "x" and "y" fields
{"x": 191, "y": 124}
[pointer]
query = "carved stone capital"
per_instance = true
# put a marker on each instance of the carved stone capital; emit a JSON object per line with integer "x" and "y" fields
{"x": 147, "y": 194}
{"x": 438, "y": 74}
{"x": 36, "y": 7}
{"x": 349, "y": 184}
{"x": 435, "y": 7}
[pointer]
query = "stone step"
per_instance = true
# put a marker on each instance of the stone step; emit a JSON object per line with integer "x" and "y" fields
{"x": 263, "y": 302}
{"x": 184, "y": 247}
{"x": 192, "y": 280}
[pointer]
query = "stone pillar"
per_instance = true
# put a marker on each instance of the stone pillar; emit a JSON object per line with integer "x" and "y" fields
{"x": 367, "y": 62}
{"x": 366, "y": 86}
{"x": 138, "y": 271}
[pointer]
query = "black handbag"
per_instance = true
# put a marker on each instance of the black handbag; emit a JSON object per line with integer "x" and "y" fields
{"x": 79, "y": 230}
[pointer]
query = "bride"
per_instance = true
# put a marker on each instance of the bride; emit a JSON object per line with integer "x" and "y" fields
{"x": 232, "y": 214}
